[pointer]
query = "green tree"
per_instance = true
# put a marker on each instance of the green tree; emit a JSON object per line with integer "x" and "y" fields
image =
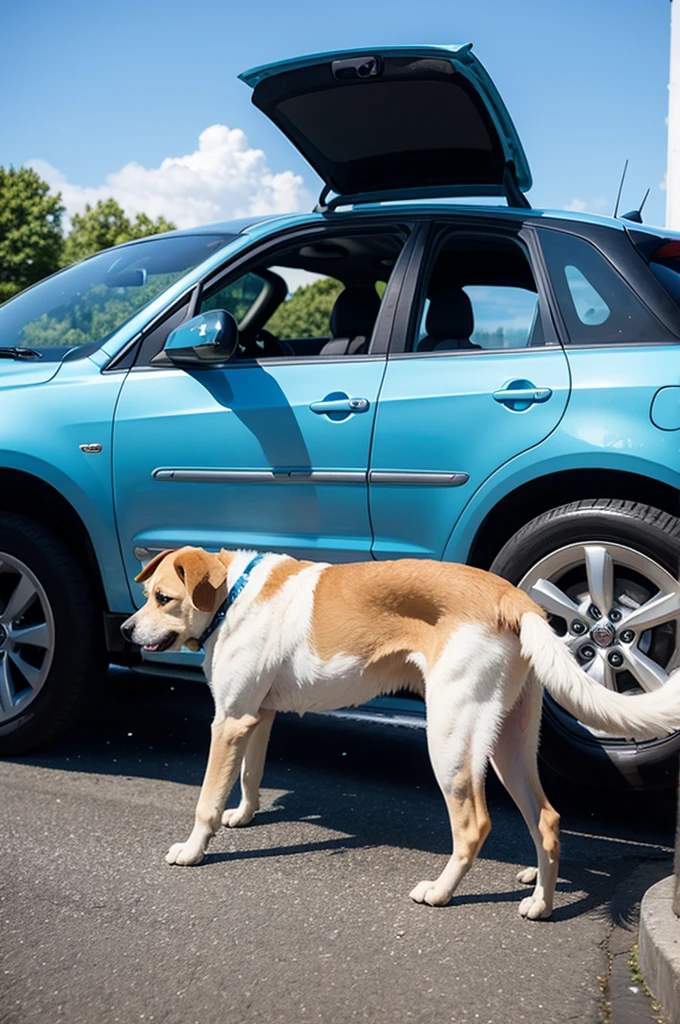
{"x": 31, "y": 241}
{"x": 103, "y": 225}
{"x": 307, "y": 313}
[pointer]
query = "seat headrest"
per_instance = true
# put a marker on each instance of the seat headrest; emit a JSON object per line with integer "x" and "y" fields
{"x": 355, "y": 312}
{"x": 450, "y": 314}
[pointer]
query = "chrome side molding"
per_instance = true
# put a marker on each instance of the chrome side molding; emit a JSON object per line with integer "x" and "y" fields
{"x": 419, "y": 479}
{"x": 250, "y": 476}
{"x": 311, "y": 476}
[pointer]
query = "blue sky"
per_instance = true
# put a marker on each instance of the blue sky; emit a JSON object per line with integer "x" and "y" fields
{"x": 98, "y": 87}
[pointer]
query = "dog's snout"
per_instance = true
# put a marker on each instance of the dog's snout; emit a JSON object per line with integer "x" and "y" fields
{"x": 127, "y": 629}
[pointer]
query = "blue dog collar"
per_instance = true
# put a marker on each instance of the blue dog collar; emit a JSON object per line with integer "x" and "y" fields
{"x": 218, "y": 617}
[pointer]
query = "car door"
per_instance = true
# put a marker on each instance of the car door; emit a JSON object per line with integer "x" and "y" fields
{"x": 471, "y": 382}
{"x": 267, "y": 453}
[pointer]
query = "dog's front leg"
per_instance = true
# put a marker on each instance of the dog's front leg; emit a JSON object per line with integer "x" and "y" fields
{"x": 229, "y": 737}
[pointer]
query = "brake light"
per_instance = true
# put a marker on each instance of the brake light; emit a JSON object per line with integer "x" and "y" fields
{"x": 668, "y": 251}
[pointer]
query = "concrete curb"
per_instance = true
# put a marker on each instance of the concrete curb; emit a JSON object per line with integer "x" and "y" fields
{"x": 660, "y": 947}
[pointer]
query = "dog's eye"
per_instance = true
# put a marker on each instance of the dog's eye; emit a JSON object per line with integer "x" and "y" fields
{"x": 162, "y": 598}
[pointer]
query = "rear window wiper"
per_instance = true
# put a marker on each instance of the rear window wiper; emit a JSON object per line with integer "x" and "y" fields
{"x": 19, "y": 353}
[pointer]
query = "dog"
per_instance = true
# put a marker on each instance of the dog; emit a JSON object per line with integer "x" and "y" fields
{"x": 280, "y": 634}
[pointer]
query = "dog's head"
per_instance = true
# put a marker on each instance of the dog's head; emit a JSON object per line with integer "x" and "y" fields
{"x": 183, "y": 589}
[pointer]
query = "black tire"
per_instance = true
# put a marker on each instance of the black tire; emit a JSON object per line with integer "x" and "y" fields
{"x": 77, "y": 650}
{"x": 568, "y": 747}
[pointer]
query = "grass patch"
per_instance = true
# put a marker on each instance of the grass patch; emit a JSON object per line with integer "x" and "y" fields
{"x": 637, "y": 978}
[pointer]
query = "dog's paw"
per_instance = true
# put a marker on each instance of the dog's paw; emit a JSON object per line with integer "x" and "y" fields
{"x": 430, "y": 893}
{"x": 235, "y": 817}
{"x": 184, "y": 854}
{"x": 527, "y": 876}
{"x": 535, "y": 908}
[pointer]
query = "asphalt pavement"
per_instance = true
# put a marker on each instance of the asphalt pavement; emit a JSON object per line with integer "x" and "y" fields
{"x": 304, "y": 915}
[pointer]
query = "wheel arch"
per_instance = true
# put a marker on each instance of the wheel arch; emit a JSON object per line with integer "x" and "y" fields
{"x": 531, "y": 499}
{"x": 28, "y": 495}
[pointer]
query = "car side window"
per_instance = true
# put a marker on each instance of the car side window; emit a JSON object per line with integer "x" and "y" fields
{"x": 597, "y": 305}
{"x": 237, "y": 297}
{"x": 480, "y": 296}
{"x": 503, "y": 317}
{"x": 315, "y": 298}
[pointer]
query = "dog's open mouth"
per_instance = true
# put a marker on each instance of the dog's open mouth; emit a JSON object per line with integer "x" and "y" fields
{"x": 162, "y": 645}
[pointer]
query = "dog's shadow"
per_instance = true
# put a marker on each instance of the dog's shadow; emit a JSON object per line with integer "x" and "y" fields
{"x": 593, "y": 885}
{"x": 371, "y": 786}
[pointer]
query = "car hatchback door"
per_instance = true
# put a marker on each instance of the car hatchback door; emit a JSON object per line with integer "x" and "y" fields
{"x": 400, "y": 121}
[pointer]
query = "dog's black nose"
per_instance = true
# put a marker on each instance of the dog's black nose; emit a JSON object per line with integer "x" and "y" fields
{"x": 127, "y": 629}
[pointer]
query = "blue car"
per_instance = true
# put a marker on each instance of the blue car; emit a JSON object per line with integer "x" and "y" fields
{"x": 396, "y": 373}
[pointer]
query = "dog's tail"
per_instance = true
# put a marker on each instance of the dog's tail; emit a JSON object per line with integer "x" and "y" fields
{"x": 642, "y": 717}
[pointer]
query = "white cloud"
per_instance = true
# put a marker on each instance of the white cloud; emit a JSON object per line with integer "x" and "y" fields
{"x": 223, "y": 178}
{"x": 577, "y": 206}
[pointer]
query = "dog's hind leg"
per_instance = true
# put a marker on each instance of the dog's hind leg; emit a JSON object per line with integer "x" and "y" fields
{"x": 252, "y": 770}
{"x": 459, "y": 737}
{"x": 470, "y": 825}
{"x": 229, "y": 737}
{"x": 514, "y": 761}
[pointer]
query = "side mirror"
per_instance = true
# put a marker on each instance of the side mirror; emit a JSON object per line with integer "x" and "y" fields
{"x": 209, "y": 338}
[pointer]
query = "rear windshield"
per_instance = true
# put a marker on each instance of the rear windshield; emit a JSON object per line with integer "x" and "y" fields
{"x": 87, "y": 302}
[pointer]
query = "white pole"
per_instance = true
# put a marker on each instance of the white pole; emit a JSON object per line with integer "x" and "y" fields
{"x": 673, "y": 176}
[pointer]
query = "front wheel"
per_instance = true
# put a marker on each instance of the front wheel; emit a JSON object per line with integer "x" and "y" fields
{"x": 50, "y": 636}
{"x": 606, "y": 572}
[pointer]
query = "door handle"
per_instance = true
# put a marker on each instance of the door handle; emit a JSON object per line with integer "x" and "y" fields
{"x": 523, "y": 395}
{"x": 341, "y": 405}
{"x": 520, "y": 394}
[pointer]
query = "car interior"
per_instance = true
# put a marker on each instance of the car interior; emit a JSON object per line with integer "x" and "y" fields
{"x": 347, "y": 277}
{"x": 480, "y": 294}
{"x": 322, "y": 298}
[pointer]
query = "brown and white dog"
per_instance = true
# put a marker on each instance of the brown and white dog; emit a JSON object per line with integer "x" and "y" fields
{"x": 305, "y": 636}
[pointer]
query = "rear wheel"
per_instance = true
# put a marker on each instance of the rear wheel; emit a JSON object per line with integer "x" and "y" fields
{"x": 50, "y": 636}
{"x": 606, "y": 572}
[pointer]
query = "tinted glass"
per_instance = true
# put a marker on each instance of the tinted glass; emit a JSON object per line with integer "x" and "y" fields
{"x": 481, "y": 295}
{"x": 591, "y": 309}
{"x": 238, "y": 297}
{"x": 90, "y": 300}
{"x": 598, "y": 306}
{"x": 504, "y": 318}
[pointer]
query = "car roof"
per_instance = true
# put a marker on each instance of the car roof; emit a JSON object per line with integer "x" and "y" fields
{"x": 261, "y": 226}
{"x": 254, "y": 225}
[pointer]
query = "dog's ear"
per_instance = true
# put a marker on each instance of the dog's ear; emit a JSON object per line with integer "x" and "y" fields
{"x": 202, "y": 573}
{"x": 150, "y": 567}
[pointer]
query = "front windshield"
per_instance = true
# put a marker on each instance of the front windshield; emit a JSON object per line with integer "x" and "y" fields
{"x": 90, "y": 300}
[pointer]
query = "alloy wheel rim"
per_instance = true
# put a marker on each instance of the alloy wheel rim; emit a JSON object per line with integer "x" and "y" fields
{"x": 27, "y": 636}
{"x": 617, "y": 609}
